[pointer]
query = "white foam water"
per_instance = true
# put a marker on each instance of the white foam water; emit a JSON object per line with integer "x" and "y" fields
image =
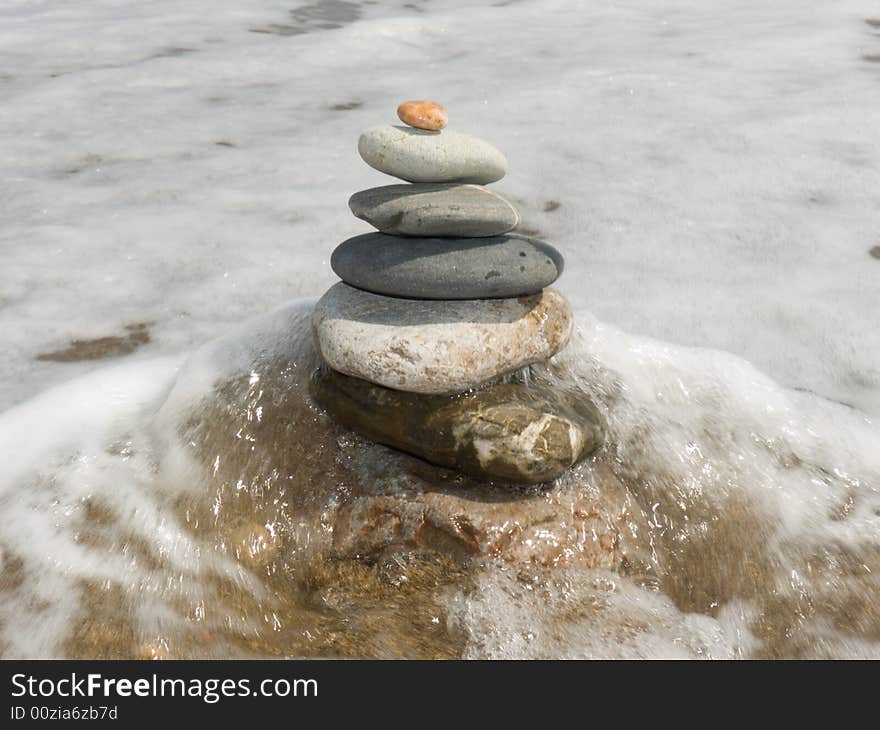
{"x": 707, "y": 439}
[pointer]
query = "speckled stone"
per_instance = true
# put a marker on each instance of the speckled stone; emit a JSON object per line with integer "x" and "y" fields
{"x": 507, "y": 431}
{"x": 437, "y": 347}
{"x": 419, "y": 155}
{"x": 435, "y": 209}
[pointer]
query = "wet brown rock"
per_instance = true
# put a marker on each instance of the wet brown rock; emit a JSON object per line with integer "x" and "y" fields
{"x": 155, "y": 650}
{"x": 590, "y": 524}
{"x": 506, "y": 431}
{"x": 255, "y": 544}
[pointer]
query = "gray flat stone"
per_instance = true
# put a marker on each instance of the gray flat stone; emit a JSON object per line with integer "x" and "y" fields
{"x": 419, "y": 155}
{"x": 447, "y": 268}
{"x": 435, "y": 209}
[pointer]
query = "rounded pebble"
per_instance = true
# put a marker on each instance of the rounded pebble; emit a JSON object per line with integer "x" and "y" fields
{"x": 447, "y": 268}
{"x": 419, "y": 155}
{"x": 423, "y": 115}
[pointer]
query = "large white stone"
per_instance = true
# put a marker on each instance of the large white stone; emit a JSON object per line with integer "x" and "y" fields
{"x": 418, "y": 155}
{"x": 437, "y": 346}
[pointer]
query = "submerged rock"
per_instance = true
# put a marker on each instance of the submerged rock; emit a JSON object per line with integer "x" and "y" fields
{"x": 575, "y": 526}
{"x": 331, "y": 544}
{"x": 507, "y": 431}
{"x": 254, "y": 544}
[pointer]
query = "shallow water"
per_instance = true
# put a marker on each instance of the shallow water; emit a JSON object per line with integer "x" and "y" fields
{"x": 199, "y": 510}
{"x": 705, "y": 168}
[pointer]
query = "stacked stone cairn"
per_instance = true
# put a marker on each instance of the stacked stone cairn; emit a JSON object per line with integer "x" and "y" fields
{"x": 426, "y": 340}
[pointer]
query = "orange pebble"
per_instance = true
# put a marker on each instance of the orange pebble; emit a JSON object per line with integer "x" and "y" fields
{"x": 423, "y": 114}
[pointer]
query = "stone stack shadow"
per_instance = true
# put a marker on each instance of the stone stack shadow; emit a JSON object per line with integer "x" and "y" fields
{"x": 439, "y": 305}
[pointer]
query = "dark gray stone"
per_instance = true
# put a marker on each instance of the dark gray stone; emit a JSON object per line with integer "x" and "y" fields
{"x": 447, "y": 268}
